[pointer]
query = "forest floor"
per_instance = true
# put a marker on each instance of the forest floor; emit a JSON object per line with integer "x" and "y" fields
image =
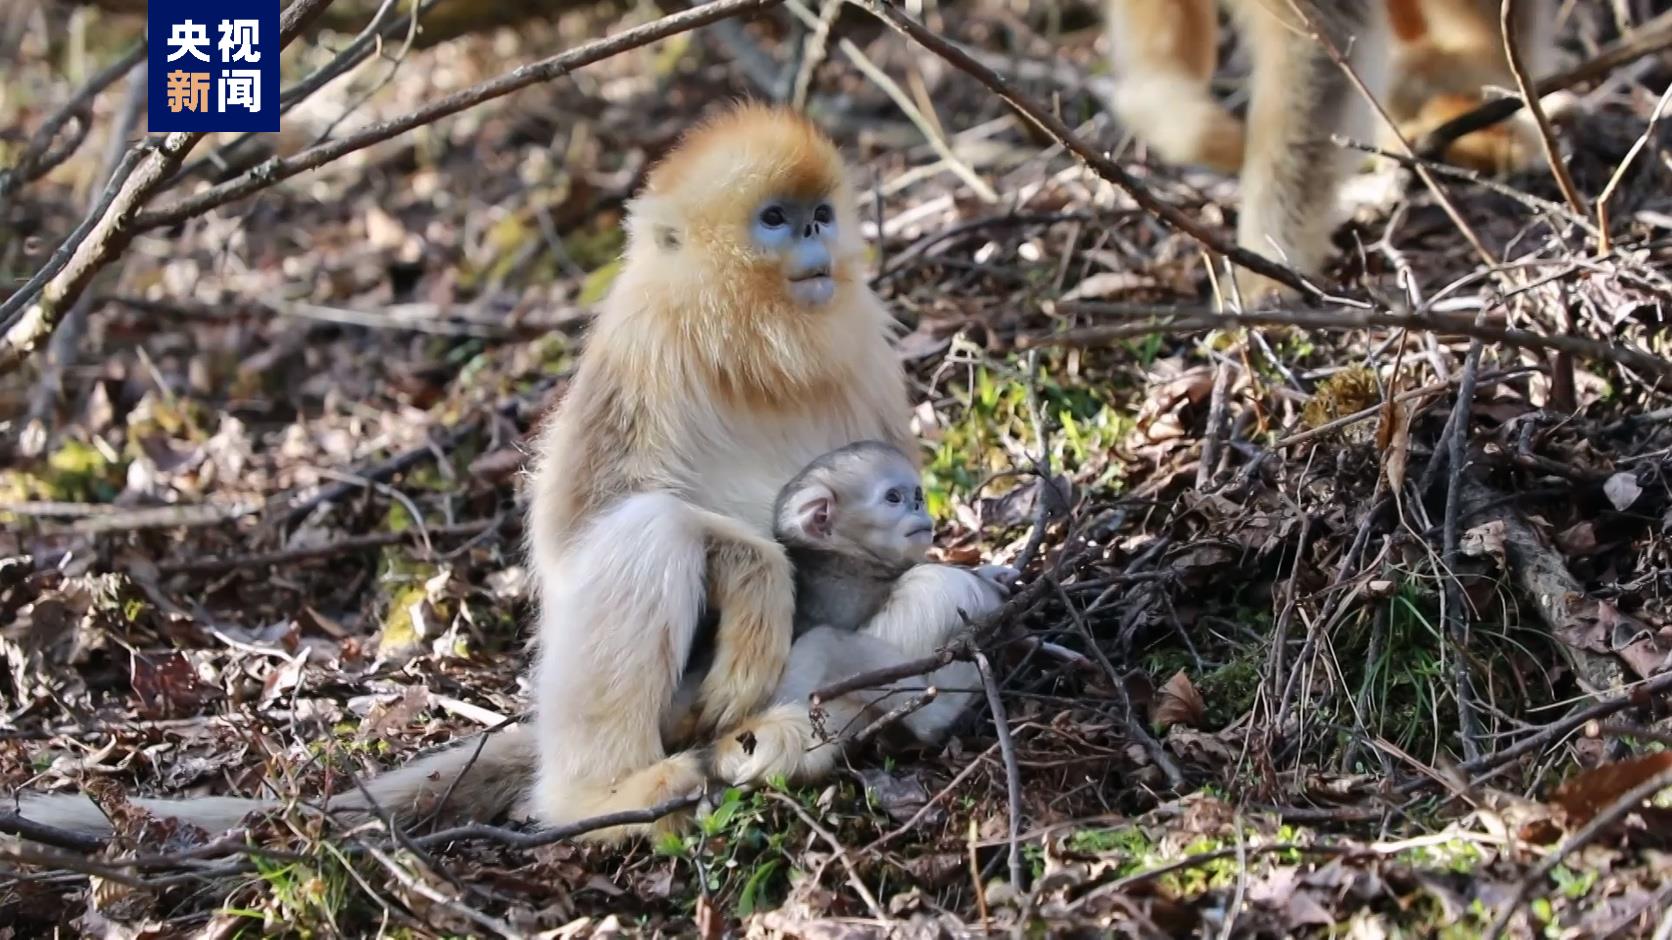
{"x": 1276, "y": 670}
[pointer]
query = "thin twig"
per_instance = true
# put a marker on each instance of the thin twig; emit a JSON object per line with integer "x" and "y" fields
{"x": 271, "y": 172}
{"x": 1134, "y": 725}
{"x": 1604, "y": 239}
{"x": 37, "y": 157}
{"x": 1535, "y": 106}
{"x": 937, "y": 140}
{"x": 528, "y": 840}
{"x": 1642, "y": 693}
{"x": 116, "y": 223}
{"x": 838, "y": 849}
{"x": 1012, "y": 771}
{"x": 67, "y": 341}
{"x": 1652, "y": 37}
{"x": 1616, "y": 811}
{"x": 1457, "y": 618}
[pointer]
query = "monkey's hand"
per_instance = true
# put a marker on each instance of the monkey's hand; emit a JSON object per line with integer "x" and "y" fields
{"x": 1002, "y": 577}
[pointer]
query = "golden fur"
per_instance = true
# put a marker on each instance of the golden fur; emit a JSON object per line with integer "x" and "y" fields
{"x": 1439, "y": 55}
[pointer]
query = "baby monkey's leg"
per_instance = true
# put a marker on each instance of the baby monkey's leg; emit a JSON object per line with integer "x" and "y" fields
{"x": 1162, "y": 54}
{"x": 803, "y": 743}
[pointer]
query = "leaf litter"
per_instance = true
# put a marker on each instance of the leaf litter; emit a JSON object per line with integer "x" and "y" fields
{"x": 273, "y": 539}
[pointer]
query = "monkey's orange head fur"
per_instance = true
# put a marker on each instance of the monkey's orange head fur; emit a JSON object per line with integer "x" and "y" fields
{"x": 744, "y": 267}
{"x": 697, "y": 205}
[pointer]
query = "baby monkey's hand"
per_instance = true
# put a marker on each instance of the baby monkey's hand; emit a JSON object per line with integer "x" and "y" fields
{"x": 1002, "y": 577}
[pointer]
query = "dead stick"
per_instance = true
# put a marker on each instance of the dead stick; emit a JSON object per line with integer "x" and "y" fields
{"x": 116, "y": 225}
{"x": 1546, "y": 133}
{"x": 1012, "y": 771}
{"x": 38, "y": 158}
{"x": 1587, "y": 834}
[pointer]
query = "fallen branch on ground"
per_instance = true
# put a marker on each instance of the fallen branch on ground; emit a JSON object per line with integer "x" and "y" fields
{"x": 1587, "y": 627}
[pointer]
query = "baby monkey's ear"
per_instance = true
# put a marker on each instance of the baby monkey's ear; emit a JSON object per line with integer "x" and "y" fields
{"x": 813, "y": 511}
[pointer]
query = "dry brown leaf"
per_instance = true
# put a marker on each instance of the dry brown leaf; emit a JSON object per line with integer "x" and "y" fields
{"x": 1393, "y": 439}
{"x": 1178, "y": 703}
{"x": 1578, "y": 541}
{"x": 168, "y": 685}
{"x": 1588, "y": 793}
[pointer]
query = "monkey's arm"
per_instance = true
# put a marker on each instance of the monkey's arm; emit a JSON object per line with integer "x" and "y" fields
{"x": 926, "y": 609}
{"x": 618, "y": 612}
{"x": 923, "y": 611}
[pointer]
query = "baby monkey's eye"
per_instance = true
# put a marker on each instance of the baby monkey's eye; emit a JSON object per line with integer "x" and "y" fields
{"x": 773, "y": 217}
{"x": 823, "y": 215}
{"x": 893, "y": 496}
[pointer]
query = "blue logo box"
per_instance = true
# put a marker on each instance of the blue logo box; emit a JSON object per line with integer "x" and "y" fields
{"x": 213, "y": 65}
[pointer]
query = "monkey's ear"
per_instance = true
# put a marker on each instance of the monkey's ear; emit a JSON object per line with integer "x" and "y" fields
{"x": 813, "y": 510}
{"x": 667, "y": 238}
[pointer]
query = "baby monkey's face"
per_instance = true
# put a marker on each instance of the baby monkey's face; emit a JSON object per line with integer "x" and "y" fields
{"x": 867, "y": 503}
{"x": 887, "y": 515}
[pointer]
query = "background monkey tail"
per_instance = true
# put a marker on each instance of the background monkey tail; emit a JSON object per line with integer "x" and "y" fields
{"x": 492, "y": 782}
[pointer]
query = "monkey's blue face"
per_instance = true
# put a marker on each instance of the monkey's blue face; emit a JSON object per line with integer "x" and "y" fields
{"x": 801, "y": 234}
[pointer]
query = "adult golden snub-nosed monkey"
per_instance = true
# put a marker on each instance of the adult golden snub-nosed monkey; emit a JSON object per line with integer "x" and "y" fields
{"x": 1164, "y": 52}
{"x": 738, "y": 343}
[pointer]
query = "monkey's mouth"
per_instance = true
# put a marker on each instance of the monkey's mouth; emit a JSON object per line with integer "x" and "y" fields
{"x": 921, "y": 531}
{"x": 813, "y": 287}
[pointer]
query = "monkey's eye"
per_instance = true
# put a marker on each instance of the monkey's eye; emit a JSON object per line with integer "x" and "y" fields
{"x": 773, "y": 217}
{"x": 823, "y": 215}
{"x": 917, "y": 494}
{"x": 893, "y": 496}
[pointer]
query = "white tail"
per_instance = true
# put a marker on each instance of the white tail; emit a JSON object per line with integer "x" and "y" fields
{"x": 494, "y": 781}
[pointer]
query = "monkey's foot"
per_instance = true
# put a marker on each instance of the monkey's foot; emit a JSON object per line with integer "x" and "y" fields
{"x": 1178, "y": 118}
{"x": 1257, "y": 290}
{"x": 779, "y": 741}
{"x": 670, "y": 779}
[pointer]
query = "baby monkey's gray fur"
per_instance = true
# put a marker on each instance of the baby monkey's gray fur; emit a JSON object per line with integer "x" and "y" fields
{"x": 853, "y": 522}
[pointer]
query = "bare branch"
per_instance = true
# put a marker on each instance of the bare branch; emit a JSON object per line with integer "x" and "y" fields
{"x": 38, "y": 158}
{"x": 277, "y": 170}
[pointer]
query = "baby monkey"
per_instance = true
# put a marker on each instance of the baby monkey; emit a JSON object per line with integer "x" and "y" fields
{"x": 854, "y": 524}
